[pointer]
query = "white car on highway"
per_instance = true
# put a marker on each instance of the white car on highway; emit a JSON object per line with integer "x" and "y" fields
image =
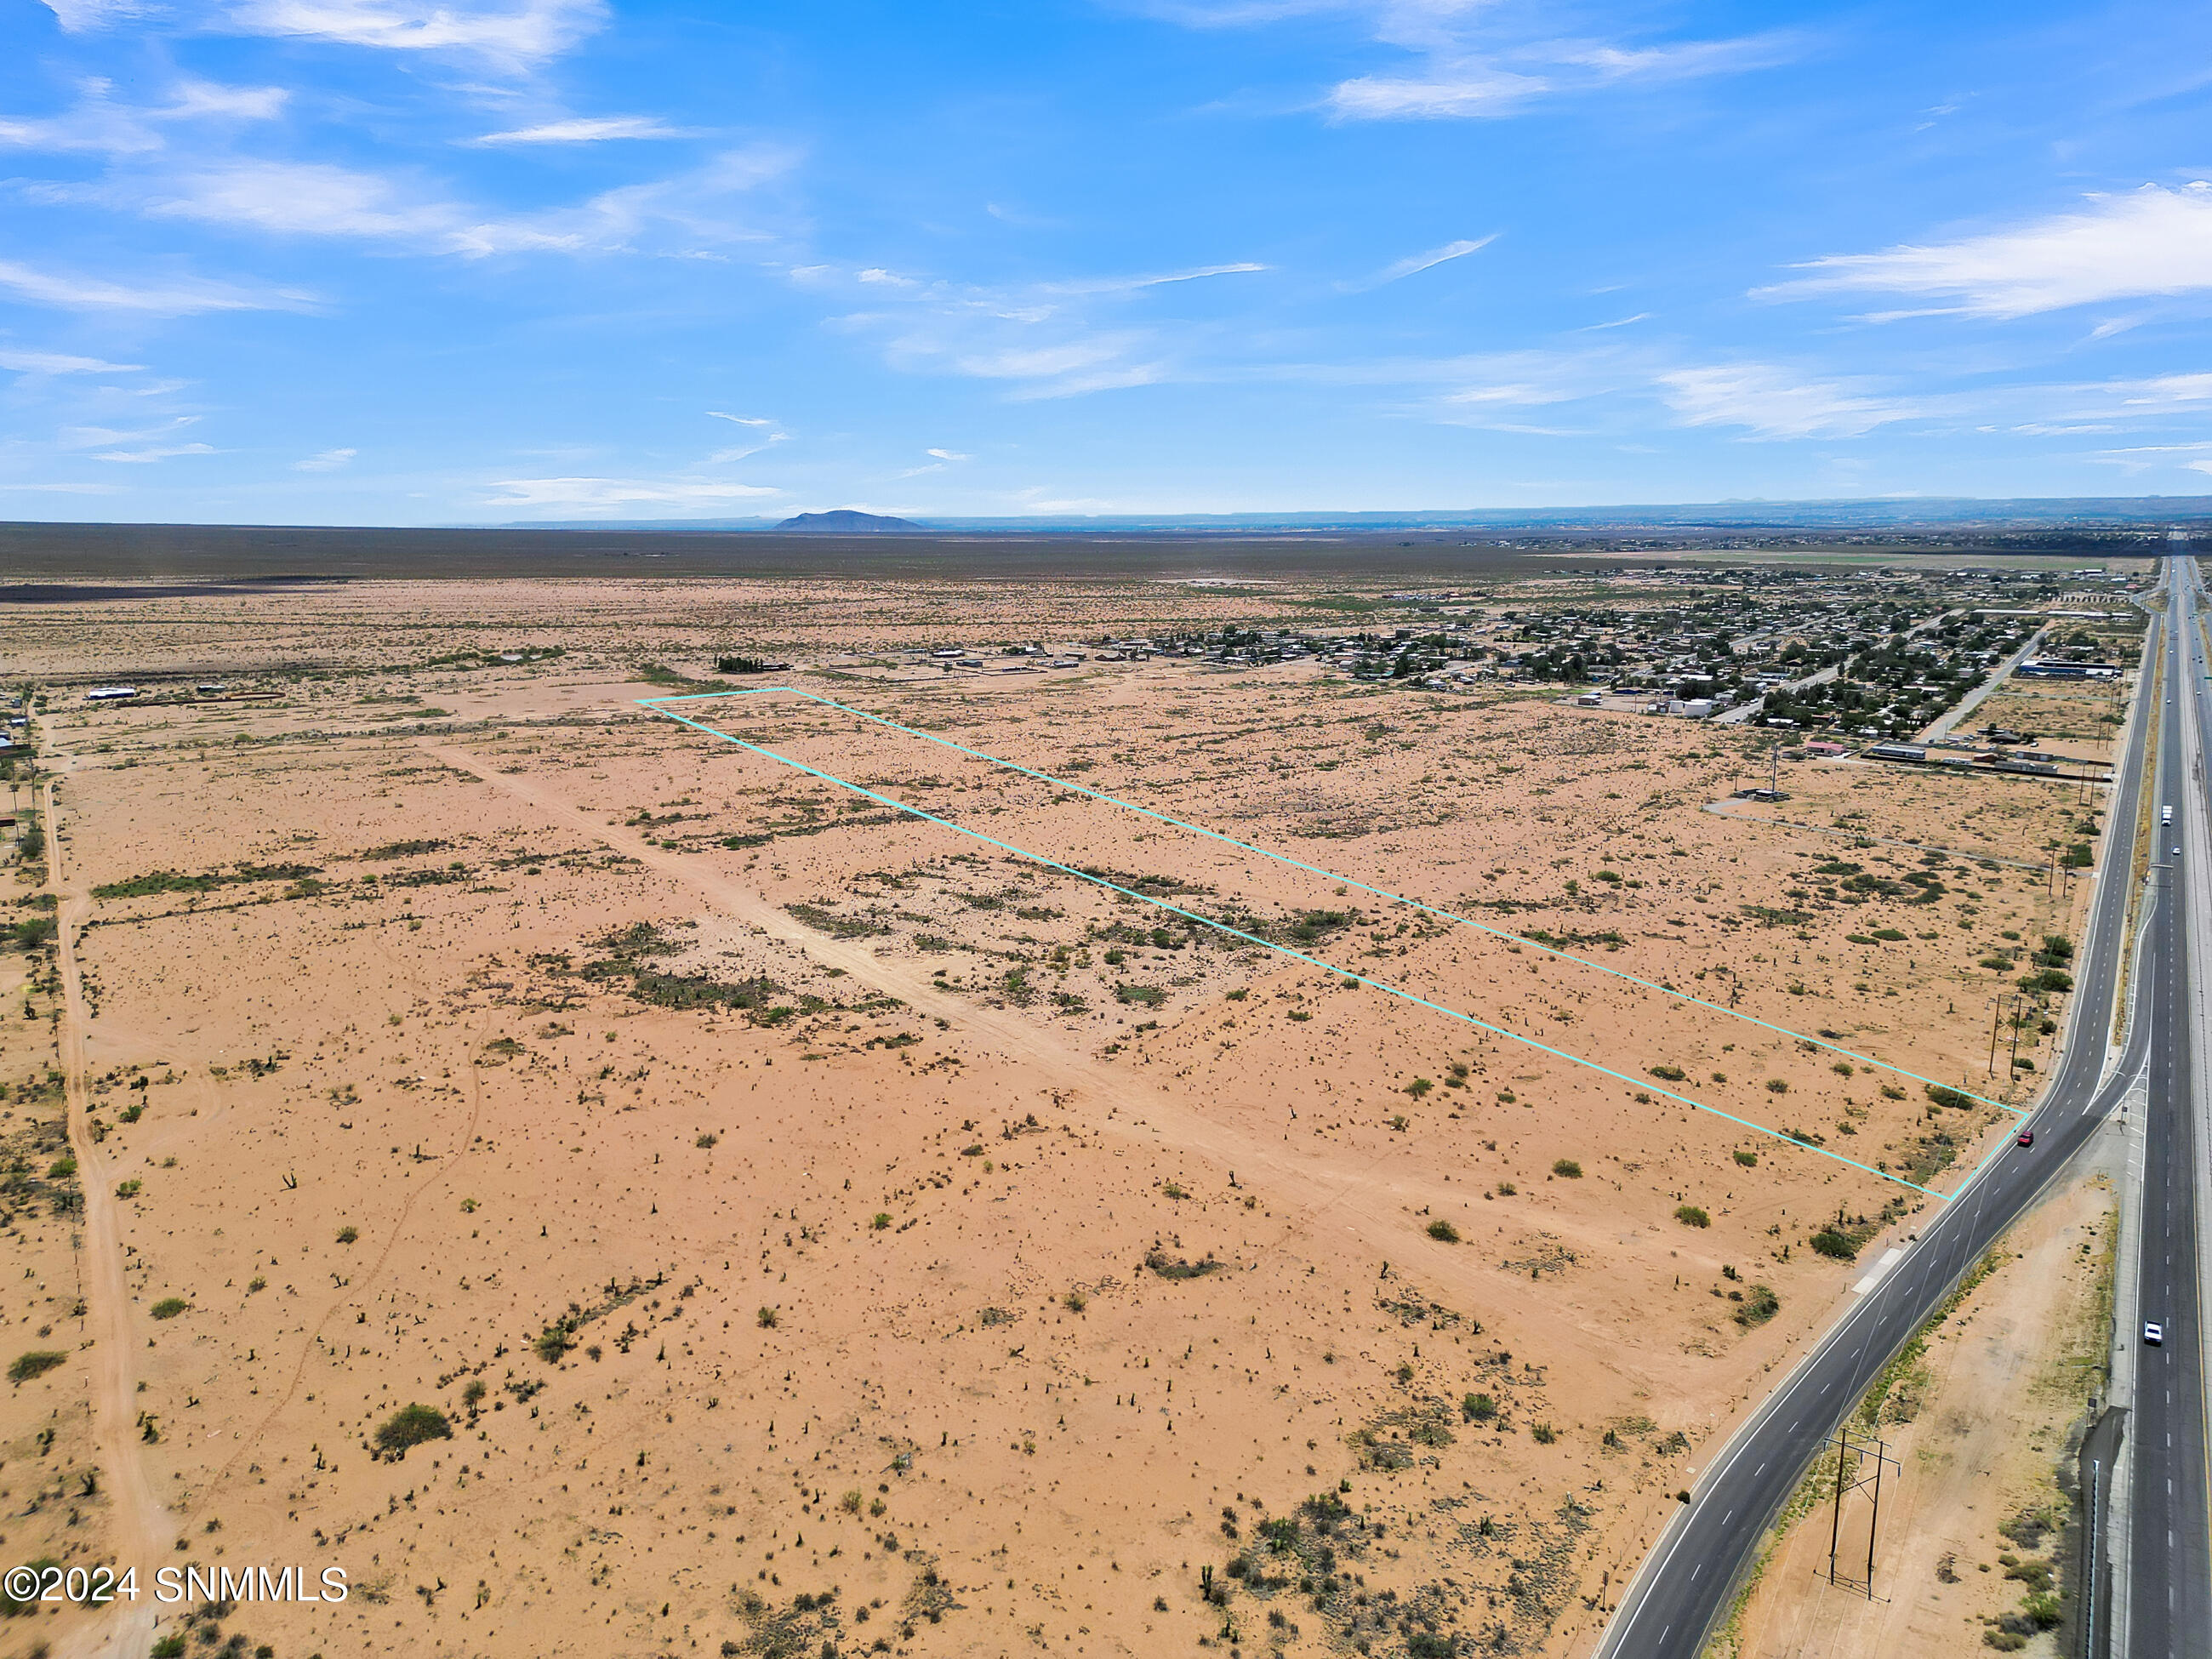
{"x": 2153, "y": 1334}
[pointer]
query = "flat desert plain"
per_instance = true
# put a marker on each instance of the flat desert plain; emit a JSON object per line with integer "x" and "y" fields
{"x": 808, "y": 1226}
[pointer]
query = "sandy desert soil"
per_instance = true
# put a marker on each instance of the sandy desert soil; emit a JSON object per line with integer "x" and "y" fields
{"x": 1978, "y": 1422}
{"x": 458, "y": 1034}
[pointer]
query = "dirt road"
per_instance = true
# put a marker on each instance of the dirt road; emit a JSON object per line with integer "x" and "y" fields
{"x": 140, "y": 1525}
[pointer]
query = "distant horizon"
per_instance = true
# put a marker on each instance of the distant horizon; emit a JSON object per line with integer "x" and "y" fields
{"x": 1811, "y": 513}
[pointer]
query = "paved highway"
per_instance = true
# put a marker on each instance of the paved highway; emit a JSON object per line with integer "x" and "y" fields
{"x": 1687, "y": 1581}
{"x": 2169, "y": 1594}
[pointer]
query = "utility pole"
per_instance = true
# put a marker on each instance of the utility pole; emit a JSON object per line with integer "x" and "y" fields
{"x": 1995, "y": 1005}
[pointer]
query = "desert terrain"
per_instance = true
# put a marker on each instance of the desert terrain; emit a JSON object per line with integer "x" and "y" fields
{"x": 451, "y": 1030}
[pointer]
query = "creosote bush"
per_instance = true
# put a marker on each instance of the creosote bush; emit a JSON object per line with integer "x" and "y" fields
{"x": 1567, "y": 1170}
{"x": 1442, "y": 1231}
{"x": 1691, "y": 1216}
{"x": 37, "y": 1363}
{"x": 411, "y": 1425}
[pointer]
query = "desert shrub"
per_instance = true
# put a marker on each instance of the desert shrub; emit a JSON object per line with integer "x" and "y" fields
{"x": 1830, "y": 1243}
{"x": 1672, "y": 1073}
{"x": 1761, "y": 1306}
{"x": 1168, "y": 1267}
{"x": 1568, "y": 1169}
{"x": 1506, "y": 1189}
{"x": 1890, "y": 935}
{"x": 1691, "y": 1216}
{"x": 1775, "y": 1086}
{"x": 1478, "y": 1408}
{"x": 411, "y": 1425}
{"x": 472, "y": 1394}
{"x": 348, "y": 1234}
{"x": 552, "y": 1342}
{"x": 128, "y": 1189}
{"x": 705, "y": 1143}
{"x": 37, "y": 1363}
{"x": 1844, "y": 1068}
{"x": 1748, "y": 1159}
{"x": 880, "y": 1220}
{"x": 1419, "y": 1086}
{"x": 1951, "y": 1097}
{"x": 11, "y": 1604}
{"x": 765, "y": 1319}
{"x": 1075, "y": 1302}
{"x": 61, "y": 1168}
{"x": 1543, "y": 1433}
{"x": 1442, "y": 1231}
{"x": 169, "y": 1307}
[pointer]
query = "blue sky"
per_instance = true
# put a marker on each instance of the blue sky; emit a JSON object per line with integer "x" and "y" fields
{"x": 373, "y": 261}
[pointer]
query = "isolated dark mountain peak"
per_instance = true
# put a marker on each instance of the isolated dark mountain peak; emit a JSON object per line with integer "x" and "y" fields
{"x": 844, "y": 520}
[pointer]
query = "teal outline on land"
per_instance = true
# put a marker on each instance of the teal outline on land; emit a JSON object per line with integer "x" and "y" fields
{"x": 654, "y": 705}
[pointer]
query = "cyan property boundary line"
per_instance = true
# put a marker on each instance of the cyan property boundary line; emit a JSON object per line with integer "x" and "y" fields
{"x": 654, "y": 705}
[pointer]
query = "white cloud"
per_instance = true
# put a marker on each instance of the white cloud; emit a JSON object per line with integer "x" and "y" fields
{"x": 72, "y": 489}
{"x": 1043, "y": 338}
{"x": 96, "y": 123}
{"x": 683, "y": 215}
{"x": 1770, "y": 402}
{"x": 1477, "y": 66}
{"x": 82, "y": 16}
{"x": 177, "y": 299}
{"x": 950, "y": 455}
{"x": 55, "y": 362}
{"x": 679, "y": 216}
{"x": 2151, "y": 241}
{"x": 329, "y": 460}
{"x": 2164, "y": 391}
{"x": 585, "y": 130}
{"x": 1414, "y": 263}
{"x": 1460, "y": 92}
{"x": 306, "y": 199}
{"x": 742, "y": 420}
{"x": 592, "y": 493}
{"x": 157, "y": 453}
{"x": 513, "y": 35}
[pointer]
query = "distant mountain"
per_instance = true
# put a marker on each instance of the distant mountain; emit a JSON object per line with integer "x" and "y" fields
{"x": 845, "y": 522}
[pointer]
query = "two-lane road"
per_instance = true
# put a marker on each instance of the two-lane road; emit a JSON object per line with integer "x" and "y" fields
{"x": 1687, "y": 1582}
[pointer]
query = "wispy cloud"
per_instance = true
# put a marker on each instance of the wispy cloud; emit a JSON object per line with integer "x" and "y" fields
{"x": 184, "y": 298}
{"x": 950, "y": 455}
{"x": 155, "y": 452}
{"x": 1043, "y": 339}
{"x": 2151, "y": 241}
{"x": 99, "y": 124}
{"x": 1413, "y": 263}
{"x": 1485, "y": 61}
{"x": 596, "y": 494}
{"x": 55, "y": 362}
{"x": 585, "y": 130}
{"x": 330, "y": 460}
{"x": 1770, "y": 402}
{"x": 514, "y": 35}
{"x": 690, "y": 214}
{"x": 742, "y": 420}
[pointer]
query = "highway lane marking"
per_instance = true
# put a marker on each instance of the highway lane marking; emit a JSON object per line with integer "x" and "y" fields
{"x": 651, "y": 706}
